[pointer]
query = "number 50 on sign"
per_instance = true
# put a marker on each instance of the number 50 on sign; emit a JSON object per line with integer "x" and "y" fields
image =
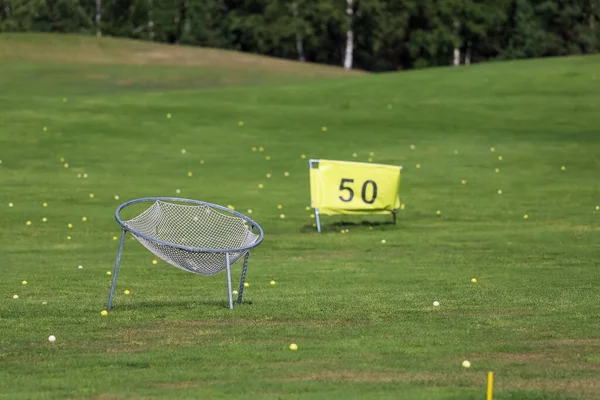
{"x": 342, "y": 187}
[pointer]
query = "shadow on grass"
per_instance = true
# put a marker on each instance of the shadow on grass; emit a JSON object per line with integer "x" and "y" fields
{"x": 181, "y": 304}
{"x": 339, "y": 225}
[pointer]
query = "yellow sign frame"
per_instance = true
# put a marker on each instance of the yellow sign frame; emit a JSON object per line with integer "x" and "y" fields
{"x": 347, "y": 187}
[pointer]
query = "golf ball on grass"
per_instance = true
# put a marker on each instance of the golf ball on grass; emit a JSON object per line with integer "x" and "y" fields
{"x": 104, "y": 313}
{"x": 273, "y": 282}
{"x": 235, "y": 293}
{"x": 51, "y": 338}
{"x": 466, "y": 364}
{"x": 246, "y": 284}
{"x": 293, "y": 346}
{"x": 127, "y": 292}
{"x": 24, "y": 283}
{"x": 436, "y": 303}
{"x": 473, "y": 280}
{"x": 16, "y": 296}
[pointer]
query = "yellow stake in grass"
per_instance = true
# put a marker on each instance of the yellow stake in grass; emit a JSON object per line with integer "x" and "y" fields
{"x": 490, "y": 385}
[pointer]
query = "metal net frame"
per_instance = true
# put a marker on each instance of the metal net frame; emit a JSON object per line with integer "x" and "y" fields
{"x": 196, "y": 236}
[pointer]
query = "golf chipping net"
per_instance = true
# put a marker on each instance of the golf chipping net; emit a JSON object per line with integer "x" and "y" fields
{"x": 193, "y": 226}
{"x": 198, "y": 237}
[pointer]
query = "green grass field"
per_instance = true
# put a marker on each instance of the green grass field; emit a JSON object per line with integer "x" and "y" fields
{"x": 360, "y": 311}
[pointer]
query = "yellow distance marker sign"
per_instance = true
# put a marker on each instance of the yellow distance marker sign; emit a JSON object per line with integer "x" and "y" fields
{"x": 343, "y": 187}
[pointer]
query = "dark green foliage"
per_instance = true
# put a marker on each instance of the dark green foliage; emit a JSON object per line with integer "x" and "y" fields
{"x": 389, "y": 34}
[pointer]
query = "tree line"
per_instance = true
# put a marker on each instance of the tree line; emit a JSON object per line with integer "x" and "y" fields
{"x": 375, "y": 35}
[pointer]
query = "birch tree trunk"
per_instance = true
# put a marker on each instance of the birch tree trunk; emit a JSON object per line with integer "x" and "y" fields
{"x": 150, "y": 22}
{"x": 98, "y": 17}
{"x": 299, "y": 44}
{"x": 349, "y": 53}
{"x": 456, "y": 61}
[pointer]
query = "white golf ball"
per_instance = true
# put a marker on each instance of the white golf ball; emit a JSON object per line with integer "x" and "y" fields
{"x": 80, "y": 267}
{"x": 436, "y": 303}
{"x": 51, "y": 338}
{"x": 16, "y": 296}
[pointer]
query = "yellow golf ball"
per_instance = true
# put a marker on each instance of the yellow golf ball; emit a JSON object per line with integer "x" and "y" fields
{"x": 473, "y": 280}
{"x": 104, "y": 313}
{"x": 246, "y": 284}
{"x": 154, "y": 262}
{"x": 293, "y": 346}
{"x": 126, "y": 292}
{"x": 273, "y": 282}
{"x": 24, "y": 283}
{"x": 466, "y": 364}
{"x": 108, "y": 273}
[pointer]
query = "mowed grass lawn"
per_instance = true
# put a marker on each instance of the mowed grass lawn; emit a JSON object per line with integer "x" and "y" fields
{"x": 360, "y": 310}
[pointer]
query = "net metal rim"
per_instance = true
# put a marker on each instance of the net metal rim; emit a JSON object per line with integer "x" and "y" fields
{"x": 195, "y": 202}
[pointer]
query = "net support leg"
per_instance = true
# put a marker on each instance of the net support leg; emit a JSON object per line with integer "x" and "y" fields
{"x": 229, "y": 281}
{"x": 318, "y": 218}
{"x": 243, "y": 279}
{"x": 116, "y": 271}
{"x": 394, "y": 213}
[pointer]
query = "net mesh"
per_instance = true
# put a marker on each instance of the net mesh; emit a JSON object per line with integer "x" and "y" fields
{"x": 193, "y": 226}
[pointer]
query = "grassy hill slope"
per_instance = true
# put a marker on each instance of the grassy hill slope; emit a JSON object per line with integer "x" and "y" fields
{"x": 83, "y": 64}
{"x": 360, "y": 310}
